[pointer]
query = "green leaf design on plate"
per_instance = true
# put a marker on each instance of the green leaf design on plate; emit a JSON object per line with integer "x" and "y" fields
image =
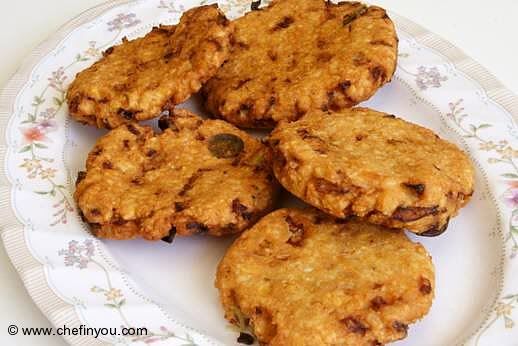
{"x": 57, "y": 101}
{"x": 79, "y": 57}
{"x": 25, "y": 149}
{"x": 38, "y": 101}
{"x": 110, "y": 305}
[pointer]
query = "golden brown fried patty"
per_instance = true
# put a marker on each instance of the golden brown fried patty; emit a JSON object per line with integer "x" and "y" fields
{"x": 302, "y": 278}
{"x": 196, "y": 177}
{"x": 371, "y": 164}
{"x": 300, "y": 55}
{"x": 138, "y": 79}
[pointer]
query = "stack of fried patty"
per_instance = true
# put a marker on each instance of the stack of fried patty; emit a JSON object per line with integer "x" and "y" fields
{"x": 340, "y": 271}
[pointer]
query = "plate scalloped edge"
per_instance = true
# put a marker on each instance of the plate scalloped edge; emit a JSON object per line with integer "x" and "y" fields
{"x": 503, "y": 97}
{"x": 33, "y": 272}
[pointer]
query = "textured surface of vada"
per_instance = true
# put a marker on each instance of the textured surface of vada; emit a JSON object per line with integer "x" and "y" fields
{"x": 196, "y": 177}
{"x": 300, "y": 55}
{"x": 367, "y": 163}
{"x": 138, "y": 79}
{"x": 303, "y": 278}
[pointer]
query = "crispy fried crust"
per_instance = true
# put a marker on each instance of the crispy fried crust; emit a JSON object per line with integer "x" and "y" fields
{"x": 303, "y": 278}
{"x": 196, "y": 177}
{"x": 373, "y": 165}
{"x": 138, "y": 79}
{"x": 301, "y": 55}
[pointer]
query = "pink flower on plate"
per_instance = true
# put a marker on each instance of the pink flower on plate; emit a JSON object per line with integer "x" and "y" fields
{"x": 48, "y": 113}
{"x": 429, "y": 77}
{"x": 78, "y": 254}
{"x": 123, "y": 21}
{"x": 511, "y": 197}
{"x": 33, "y": 134}
{"x": 57, "y": 79}
{"x": 38, "y": 132}
{"x": 152, "y": 340}
{"x": 47, "y": 125}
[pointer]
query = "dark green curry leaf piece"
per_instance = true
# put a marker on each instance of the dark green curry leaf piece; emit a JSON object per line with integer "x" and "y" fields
{"x": 226, "y": 145}
{"x": 169, "y": 239}
{"x": 245, "y": 338}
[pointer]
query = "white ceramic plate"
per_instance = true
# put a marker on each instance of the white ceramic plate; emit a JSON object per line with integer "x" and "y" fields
{"x": 76, "y": 279}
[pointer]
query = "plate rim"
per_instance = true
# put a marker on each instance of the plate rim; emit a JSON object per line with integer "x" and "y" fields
{"x": 33, "y": 273}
